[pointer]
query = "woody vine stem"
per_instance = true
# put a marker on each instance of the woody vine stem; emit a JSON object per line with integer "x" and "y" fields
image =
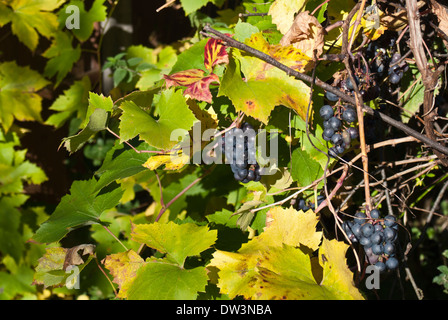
{"x": 228, "y": 41}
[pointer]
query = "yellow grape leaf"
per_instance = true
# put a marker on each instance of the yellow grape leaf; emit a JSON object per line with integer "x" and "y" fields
{"x": 283, "y": 12}
{"x": 338, "y": 10}
{"x": 279, "y": 263}
{"x": 29, "y": 18}
{"x": 123, "y": 267}
{"x": 292, "y": 227}
{"x": 336, "y": 276}
{"x": 173, "y": 161}
{"x": 263, "y": 86}
{"x": 254, "y": 68}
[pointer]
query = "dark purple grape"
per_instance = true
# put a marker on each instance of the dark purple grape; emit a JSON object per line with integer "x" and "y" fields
{"x": 376, "y": 237}
{"x": 390, "y": 220}
{"x": 392, "y": 263}
{"x": 360, "y": 217}
{"x": 354, "y": 134}
{"x": 331, "y": 96}
{"x": 336, "y": 139}
{"x": 381, "y": 266}
{"x": 367, "y": 230}
{"x": 349, "y": 115}
{"x": 328, "y": 133}
{"x": 334, "y": 123}
{"x": 377, "y": 249}
{"x": 375, "y": 214}
{"x": 326, "y": 112}
{"x": 389, "y": 248}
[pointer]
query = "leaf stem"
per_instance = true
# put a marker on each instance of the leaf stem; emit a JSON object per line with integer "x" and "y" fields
{"x": 115, "y": 237}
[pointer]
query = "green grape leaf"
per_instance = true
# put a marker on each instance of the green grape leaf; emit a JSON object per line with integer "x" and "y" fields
{"x": 159, "y": 280}
{"x": 412, "y": 93}
{"x": 98, "y": 12}
{"x": 62, "y": 57}
{"x": 190, "y": 6}
{"x": 30, "y": 18}
{"x": 97, "y": 102}
{"x": 304, "y": 169}
{"x": 176, "y": 241}
{"x": 82, "y": 206}
{"x": 173, "y": 114}
{"x": 11, "y": 242}
{"x": 193, "y": 58}
{"x": 15, "y": 170}
{"x": 18, "y": 97}
{"x": 121, "y": 162}
{"x": 279, "y": 263}
{"x": 97, "y": 122}
{"x": 73, "y": 101}
{"x": 160, "y": 64}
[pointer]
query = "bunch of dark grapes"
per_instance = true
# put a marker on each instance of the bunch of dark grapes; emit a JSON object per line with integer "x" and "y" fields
{"x": 238, "y": 145}
{"x": 381, "y": 64}
{"x": 377, "y": 236}
{"x": 334, "y": 130}
{"x": 303, "y": 205}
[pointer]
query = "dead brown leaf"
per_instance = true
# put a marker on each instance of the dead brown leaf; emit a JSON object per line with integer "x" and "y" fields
{"x": 305, "y": 34}
{"x": 442, "y": 15}
{"x": 73, "y": 258}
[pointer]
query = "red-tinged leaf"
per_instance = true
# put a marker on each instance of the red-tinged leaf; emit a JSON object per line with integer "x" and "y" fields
{"x": 200, "y": 90}
{"x": 197, "y": 84}
{"x": 214, "y": 53}
{"x": 184, "y": 78}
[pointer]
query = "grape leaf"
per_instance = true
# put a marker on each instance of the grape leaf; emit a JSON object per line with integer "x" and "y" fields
{"x": 215, "y": 53}
{"x": 172, "y": 161}
{"x": 278, "y": 264}
{"x": 177, "y": 241}
{"x": 196, "y": 81}
{"x": 161, "y": 63}
{"x": 30, "y": 18}
{"x": 337, "y": 278}
{"x": 97, "y": 122}
{"x": 165, "y": 278}
{"x": 52, "y": 269}
{"x": 97, "y": 102}
{"x": 193, "y": 58}
{"x": 11, "y": 242}
{"x": 86, "y": 18}
{"x": 304, "y": 169}
{"x": 123, "y": 267}
{"x": 18, "y": 97}
{"x": 159, "y": 280}
{"x": 73, "y": 101}
{"x": 82, "y": 206}
{"x": 61, "y": 57}
{"x": 283, "y": 13}
{"x": 121, "y": 162}
{"x": 174, "y": 114}
{"x": 257, "y": 97}
{"x": 15, "y": 170}
{"x": 190, "y": 6}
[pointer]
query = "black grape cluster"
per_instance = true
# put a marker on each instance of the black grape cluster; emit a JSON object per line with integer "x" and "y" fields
{"x": 238, "y": 145}
{"x": 377, "y": 236}
{"x": 303, "y": 205}
{"x": 334, "y": 130}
